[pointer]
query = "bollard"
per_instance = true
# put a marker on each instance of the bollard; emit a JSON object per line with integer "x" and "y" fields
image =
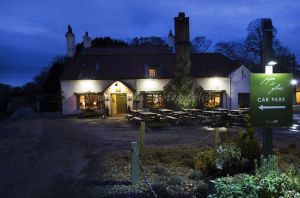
{"x": 217, "y": 138}
{"x": 134, "y": 164}
{"x": 142, "y": 136}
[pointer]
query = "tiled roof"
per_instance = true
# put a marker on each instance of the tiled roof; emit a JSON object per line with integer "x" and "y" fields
{"x": 121, "y": 64}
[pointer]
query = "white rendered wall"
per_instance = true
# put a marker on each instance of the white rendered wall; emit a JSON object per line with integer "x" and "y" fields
{"x": 240, "y": 80}
{"x": 148, "y": 85}
{"x": 217, "y": 84}
{"x": 70, "y": 87}
{"x": 240, "y": 83}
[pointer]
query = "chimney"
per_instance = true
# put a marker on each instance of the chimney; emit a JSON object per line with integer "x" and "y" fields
{"x": 70, "y": 38}
{"x": 182, "y": 42}
{"x": 171, "y": 42}
{"x": 87, "y": 41}
{"x": 267, "y": 42}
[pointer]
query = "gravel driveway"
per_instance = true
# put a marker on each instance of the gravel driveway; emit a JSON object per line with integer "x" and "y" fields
{"x": 48, "y": 155}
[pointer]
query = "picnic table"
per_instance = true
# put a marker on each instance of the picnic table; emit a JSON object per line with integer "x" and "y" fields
{"x": 135, "y": 112}
{"x": 165, "y": 111}
{"x": 222, "y": 110}
{"x": 238, "y": 111}
{"x": 149, "y": 116}
{"x": 180, "y": 113}
{"x": 194, "y": 111}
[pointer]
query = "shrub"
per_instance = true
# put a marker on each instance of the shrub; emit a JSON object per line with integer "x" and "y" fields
{"x": 196, "y": 175}
{"x": 201, "y": 190}
{"x": 273, "y": 185}
{"x": 160, "y": 170}
{"x": 188, "y": 163}
{"x": 228, "y": 158}
{"x": 205, "y": 161}
{"x": 160, "y": 189}
{"x": 176, "y": 180}
{"x": 250, "y": 148}
{"x": 269, "y": 181}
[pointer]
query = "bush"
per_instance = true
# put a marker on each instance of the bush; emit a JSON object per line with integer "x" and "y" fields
{"x": 160, "y": 189}
{"x": 160, "y": 170}
{"x": 250, "y": 148}
{"x": 176, "y": 180}
{"x": 201, "y": 190}
{"x": 237, "y": 186}
{"x": 228, "y": 158}
{"x": 196, "y": 175}
{"x": 188, "y": 163}
{"x": 269, "y": 181}
{"x": 205, "y": 161}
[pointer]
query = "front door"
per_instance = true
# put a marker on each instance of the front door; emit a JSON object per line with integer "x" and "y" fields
{"x": 121, "y": 103}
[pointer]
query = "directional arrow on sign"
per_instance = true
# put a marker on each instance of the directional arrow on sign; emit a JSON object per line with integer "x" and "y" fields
{"x": 262, "y": 107}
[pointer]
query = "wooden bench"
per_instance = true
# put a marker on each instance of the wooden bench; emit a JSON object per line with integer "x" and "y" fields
{"x": 171, "y": 118}
{"x": 129, "y": 116}
{"x": 137, "y": 119}
{"x": 203, "y": 117}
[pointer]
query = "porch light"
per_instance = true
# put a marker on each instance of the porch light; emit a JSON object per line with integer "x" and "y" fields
{"x": 95, "y": 103}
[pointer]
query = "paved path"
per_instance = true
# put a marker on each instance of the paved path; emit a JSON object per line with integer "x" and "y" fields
{"x": 42, "y": 157}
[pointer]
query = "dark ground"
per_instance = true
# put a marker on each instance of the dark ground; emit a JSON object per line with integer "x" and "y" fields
{"x": 48, "y": 155}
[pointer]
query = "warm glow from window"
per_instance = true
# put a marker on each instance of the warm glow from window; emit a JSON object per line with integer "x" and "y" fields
{"x": 153, "y": 100}
{"x": 91, "y": 101}
{"x": 214, "y": 101}
{"x": 152, "y": 73}
{"x": 298, "y": 97}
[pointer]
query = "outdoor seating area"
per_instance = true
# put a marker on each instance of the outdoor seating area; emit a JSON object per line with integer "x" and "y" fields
{"x": 217, "y": 117}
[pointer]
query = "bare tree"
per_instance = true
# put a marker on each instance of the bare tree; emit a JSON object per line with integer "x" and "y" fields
{"x": 200, "y": 44}
{"x": 248, "y": 51}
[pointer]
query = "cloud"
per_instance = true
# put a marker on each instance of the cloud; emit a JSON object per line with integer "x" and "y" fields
{"x": 15, "y": 25}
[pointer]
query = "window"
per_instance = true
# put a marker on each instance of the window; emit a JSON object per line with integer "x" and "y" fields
{"x": 152, "y": 73}
{"x": 214, "y": 100}
{"x": 243, "y": 99}
{"x": 298, "y": 97}
{"x": 153, "y": 100}
{"x": 91, "y": 101}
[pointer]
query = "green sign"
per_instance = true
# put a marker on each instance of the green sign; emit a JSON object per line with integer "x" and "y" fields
{"x": 271, "y": 100}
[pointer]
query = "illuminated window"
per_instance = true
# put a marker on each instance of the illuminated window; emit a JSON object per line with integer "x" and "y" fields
{"x": 298, "y": 97}
{"x": 152, "y": 73}
{"x": 91, "y": 101}
{"x": 214, "y": 100}
{"x": 153, "y": 100}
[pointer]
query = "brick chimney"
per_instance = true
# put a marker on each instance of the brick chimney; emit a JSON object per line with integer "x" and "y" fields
{"x": 182, "y": 42}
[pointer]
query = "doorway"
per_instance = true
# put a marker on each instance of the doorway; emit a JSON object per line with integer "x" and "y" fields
{"x": 119, "y": 103}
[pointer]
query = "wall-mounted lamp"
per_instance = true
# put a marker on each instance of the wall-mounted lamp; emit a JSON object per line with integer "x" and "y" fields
{"x": 294, "y": 82}
{"x": 269, "y": 67}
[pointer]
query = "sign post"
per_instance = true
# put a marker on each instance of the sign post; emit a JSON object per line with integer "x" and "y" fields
{"x": 271, "y": 104}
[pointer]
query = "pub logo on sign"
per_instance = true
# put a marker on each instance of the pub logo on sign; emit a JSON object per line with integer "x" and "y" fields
{"x": 271, "y": 100}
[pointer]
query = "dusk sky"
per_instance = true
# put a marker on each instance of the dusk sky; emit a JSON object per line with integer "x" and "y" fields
{"x": 32, "y": 32}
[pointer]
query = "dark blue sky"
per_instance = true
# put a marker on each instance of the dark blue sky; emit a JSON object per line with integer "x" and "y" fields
{"x": 32, "y": 31}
